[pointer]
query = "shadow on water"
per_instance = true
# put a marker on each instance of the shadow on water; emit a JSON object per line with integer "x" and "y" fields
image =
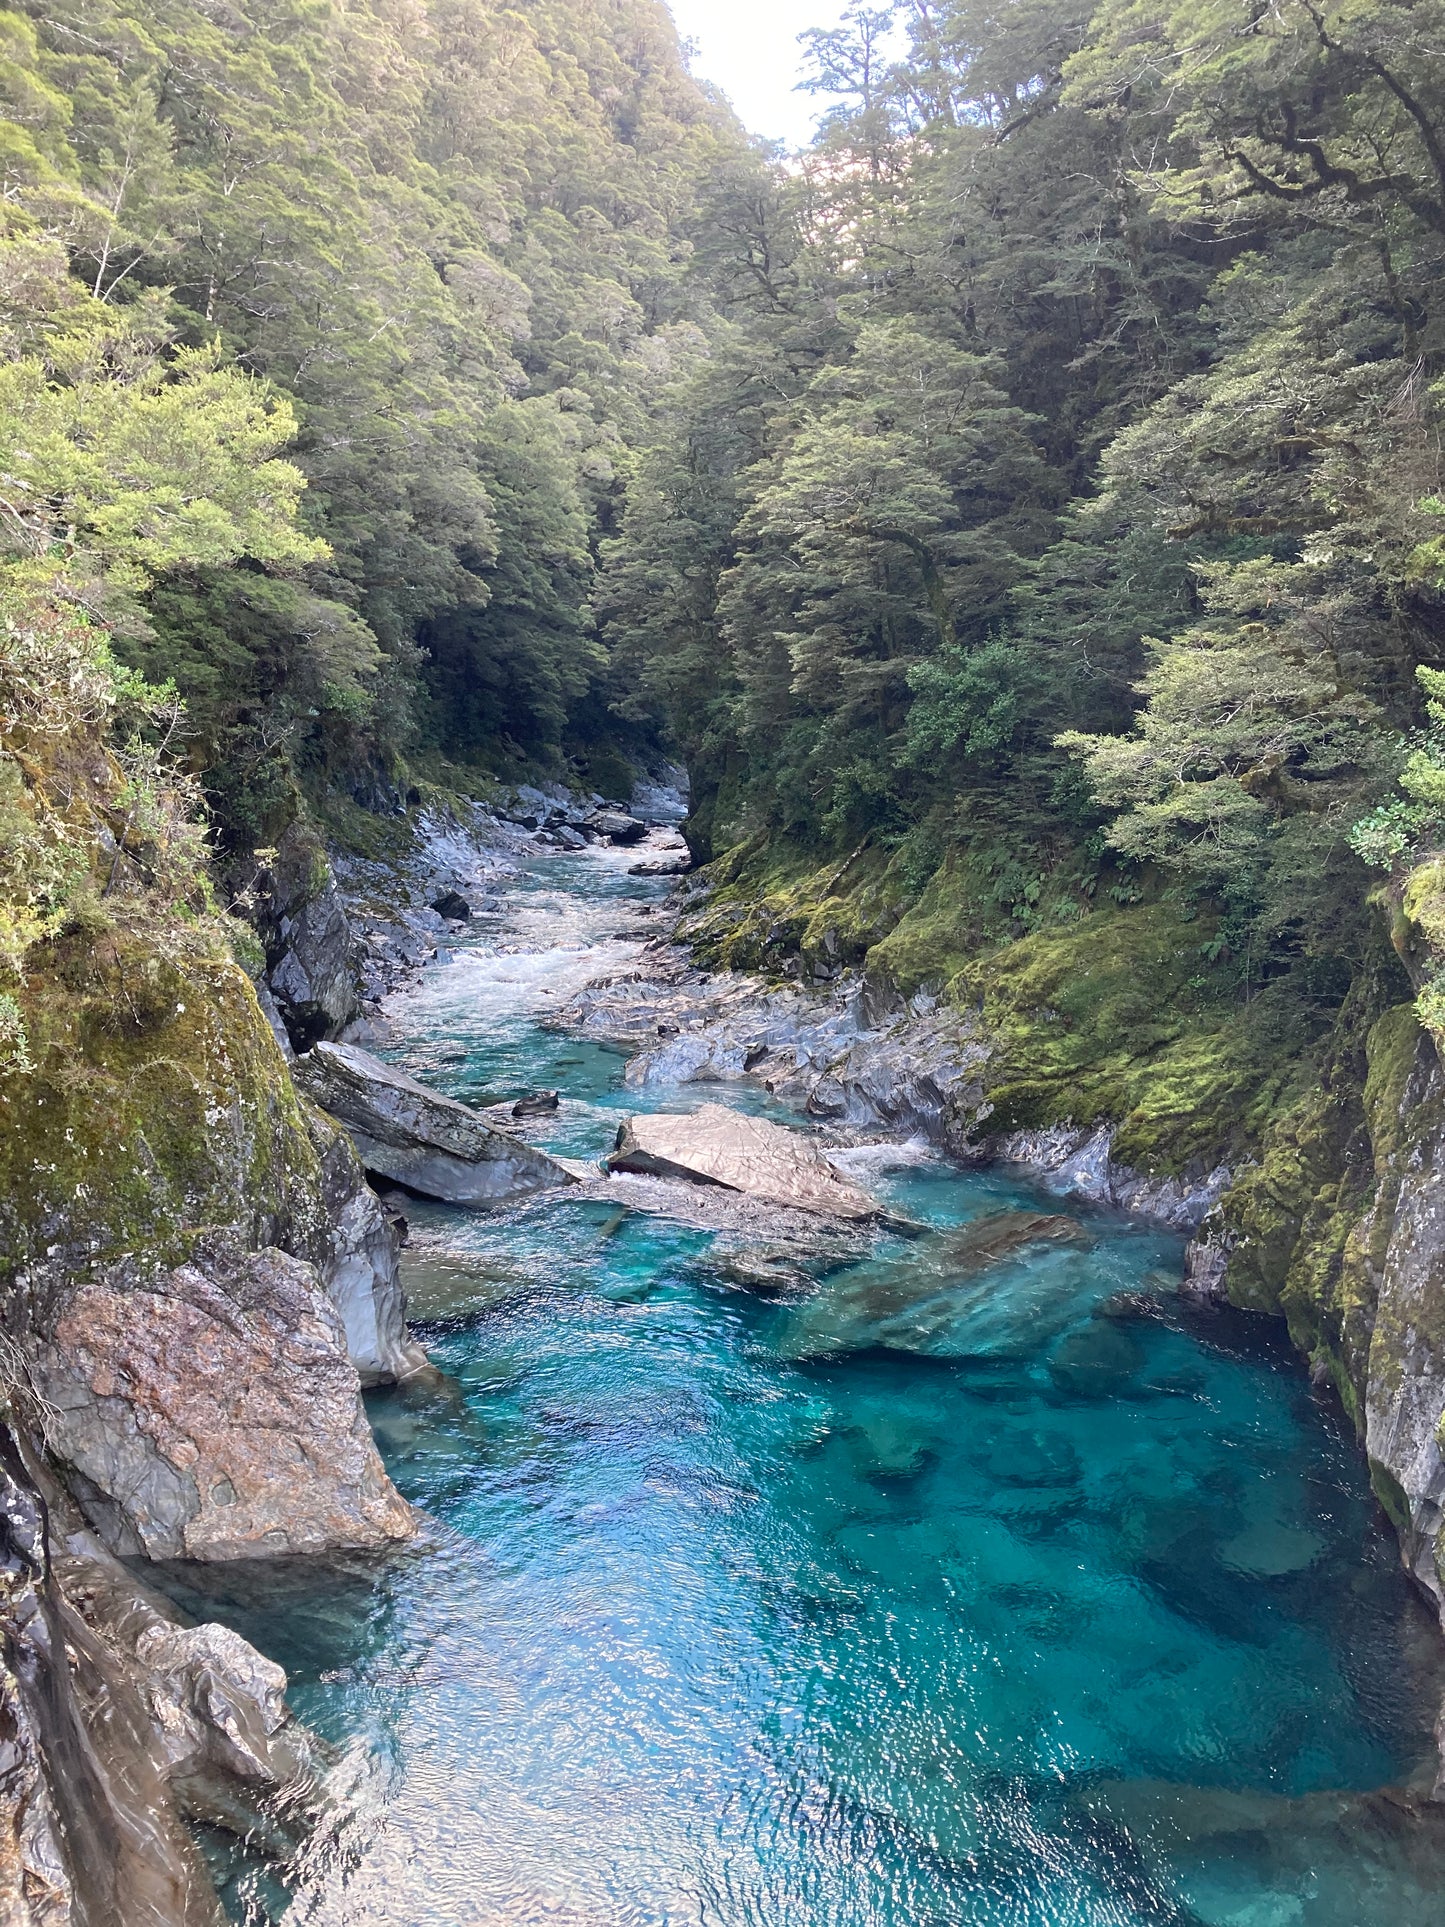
{"x": 983, "y": 1584}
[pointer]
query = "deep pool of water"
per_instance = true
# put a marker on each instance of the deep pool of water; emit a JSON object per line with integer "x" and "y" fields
{"x": 1083, "y": 1617}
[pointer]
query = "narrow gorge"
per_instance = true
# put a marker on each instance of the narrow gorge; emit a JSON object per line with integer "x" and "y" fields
{"x": 722, "y": 967}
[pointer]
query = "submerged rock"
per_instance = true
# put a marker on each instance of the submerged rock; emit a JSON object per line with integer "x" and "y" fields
{"x": 419, "y": 1138}
{"x": 536, "y": 1104}
{"x": 943, "y": 1299}
{"x": 212, "y": 1413}
{"x": 717, "y": 1146}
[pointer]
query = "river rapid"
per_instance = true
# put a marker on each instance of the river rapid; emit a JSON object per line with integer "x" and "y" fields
{"x": 1071, "y": 1609}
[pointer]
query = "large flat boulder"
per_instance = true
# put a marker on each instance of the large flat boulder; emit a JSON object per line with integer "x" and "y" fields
{"x": 211, "y": 1412}
{"x": 419, "y": 1138}
{"x": 714, "y": 1145}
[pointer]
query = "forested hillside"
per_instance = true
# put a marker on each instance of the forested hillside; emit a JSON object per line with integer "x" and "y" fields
{"x": 1055, "y": 525}
{"x": 1022, "y": 511}
{"x": 445, "y": 251}
{"x": 1083, "y": 373}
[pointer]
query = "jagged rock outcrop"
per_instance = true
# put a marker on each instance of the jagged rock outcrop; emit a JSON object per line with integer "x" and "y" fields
{"x": 184, "y": 1126}
{"x": 1079, "y": 1162}
{"x": 119, "y": 1723}
{"x": 89, "y": 1835}
{"x": 360, "y": 1265}
{"x": 717, "y": 1146}
{"x": 310, "y": 954}
{"x": 233, "y": 1754}
{"x": 419, "y": 1138}
{"x": 212, "y": 1412}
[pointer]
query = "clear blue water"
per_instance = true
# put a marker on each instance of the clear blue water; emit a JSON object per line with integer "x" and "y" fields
{"x": 1080, "y": 1616}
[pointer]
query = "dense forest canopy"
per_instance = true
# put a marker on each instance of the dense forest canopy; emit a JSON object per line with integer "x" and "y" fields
{"x": 1036, "y": 483}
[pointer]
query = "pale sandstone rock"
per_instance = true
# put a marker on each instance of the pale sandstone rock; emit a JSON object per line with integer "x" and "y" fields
{"x": 718, "y": 1146}
{"x": 214, "y": 1414}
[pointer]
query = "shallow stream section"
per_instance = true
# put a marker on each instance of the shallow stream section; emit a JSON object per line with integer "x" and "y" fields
{"x": 1057, "y": 1606}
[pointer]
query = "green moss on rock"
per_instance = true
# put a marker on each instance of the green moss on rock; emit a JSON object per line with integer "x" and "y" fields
{"x": 1118, "y": 1020}
{"x": 159, "y": 1109}
{"x": 773, "y": 910}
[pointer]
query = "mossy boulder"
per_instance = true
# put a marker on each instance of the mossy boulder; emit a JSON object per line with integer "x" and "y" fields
{"x": 158, "y": 1114}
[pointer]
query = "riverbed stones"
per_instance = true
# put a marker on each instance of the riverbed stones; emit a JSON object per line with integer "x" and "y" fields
{"x": 664, "y": 866}
{"x": 417, "y": 1137}
{"x": 714, "y": 1145}
{"x": 211, "y": 1412}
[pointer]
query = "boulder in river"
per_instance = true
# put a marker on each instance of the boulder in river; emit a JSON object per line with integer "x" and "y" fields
{"x": 419, "y": 1138}
{"x": 452, "y": 905}
{"x": 536, "y": 1104}
{"x": 714, "y": 1145}
{"x": 617, "y": 826}
{"x": 948, "y": 1298}
{"x": 667, "y": 866}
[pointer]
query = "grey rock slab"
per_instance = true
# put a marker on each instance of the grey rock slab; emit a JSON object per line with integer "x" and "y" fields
{"x": 360, "y": 1267}
{"x": 417, "y": 1137}
{"x": 714, "y": 1145}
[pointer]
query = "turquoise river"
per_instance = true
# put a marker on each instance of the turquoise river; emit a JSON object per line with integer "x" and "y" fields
{"x": 1080, "y": 1615}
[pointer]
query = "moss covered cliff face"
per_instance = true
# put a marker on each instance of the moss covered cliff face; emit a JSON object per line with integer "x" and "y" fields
{"x": 157, "y": 1109}
{"x": 1096, "y": 1016}
{"x": 1339, "y": 1225}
